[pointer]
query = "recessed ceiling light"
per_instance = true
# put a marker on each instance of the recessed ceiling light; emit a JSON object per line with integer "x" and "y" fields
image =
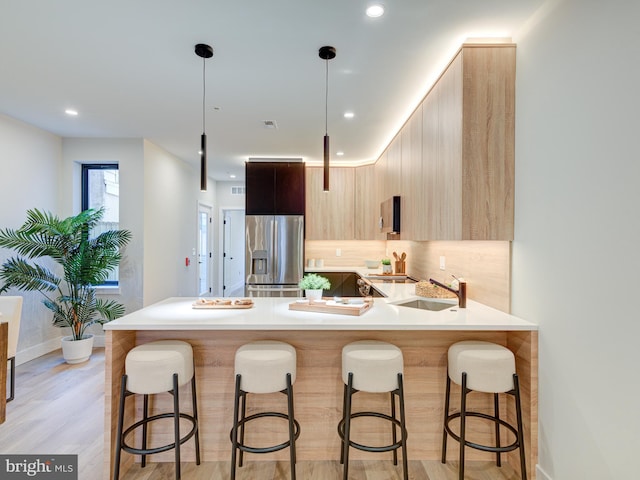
{"x": 349, "y": 115}
{"x": 375, "y": 11}
{"x": 232, "y": 176}
{"x": 339, "y": 154}
{"x": 71, "y": 112}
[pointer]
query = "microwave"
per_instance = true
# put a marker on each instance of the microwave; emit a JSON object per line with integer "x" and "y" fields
{"x": 390, "y": 216}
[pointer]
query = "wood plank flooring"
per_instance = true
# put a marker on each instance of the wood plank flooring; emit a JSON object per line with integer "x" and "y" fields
{"x": 59, "y": 408}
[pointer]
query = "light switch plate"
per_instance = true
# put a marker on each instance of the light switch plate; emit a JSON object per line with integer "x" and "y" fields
{"x": 338, "y": 252}
{"x": 442, "y": 262}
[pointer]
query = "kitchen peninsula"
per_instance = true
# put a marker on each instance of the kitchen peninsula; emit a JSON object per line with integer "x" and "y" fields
{"x": 423, "y": 336}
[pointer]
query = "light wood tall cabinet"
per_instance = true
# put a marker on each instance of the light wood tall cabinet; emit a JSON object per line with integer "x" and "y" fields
{"x": 330, "y": 215}
{"x": 411, "y": 183}
{"x": 468, "y": 147}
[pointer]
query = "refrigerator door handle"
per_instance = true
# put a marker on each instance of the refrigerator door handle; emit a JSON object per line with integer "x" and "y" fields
{"x": 274, "y": 250}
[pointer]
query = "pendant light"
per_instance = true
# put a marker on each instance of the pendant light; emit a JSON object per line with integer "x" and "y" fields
{"x": 326, "y": 53}
{"x": 204, "y": 52}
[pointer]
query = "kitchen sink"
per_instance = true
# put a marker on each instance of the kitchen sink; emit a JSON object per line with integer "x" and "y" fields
{"x": 427, "y": 305}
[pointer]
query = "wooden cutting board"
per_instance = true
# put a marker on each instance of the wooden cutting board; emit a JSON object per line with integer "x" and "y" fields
{"x": 212, "y": 305}
{"x": 354, "y": 309}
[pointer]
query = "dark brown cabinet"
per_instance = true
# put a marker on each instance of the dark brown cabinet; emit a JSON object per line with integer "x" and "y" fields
{"x": 275, "y": 188}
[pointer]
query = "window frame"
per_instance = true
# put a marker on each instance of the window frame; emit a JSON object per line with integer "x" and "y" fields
{"x": 86, "y": 168}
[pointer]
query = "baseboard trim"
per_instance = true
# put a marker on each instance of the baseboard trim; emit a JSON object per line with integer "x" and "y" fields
{"x": 541, "y": 474}
{"x": 51, "y": 345}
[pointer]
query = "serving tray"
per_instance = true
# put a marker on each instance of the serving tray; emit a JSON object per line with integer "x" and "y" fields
{"x": 210, "y": 304}
{"x": 330, "y": 306}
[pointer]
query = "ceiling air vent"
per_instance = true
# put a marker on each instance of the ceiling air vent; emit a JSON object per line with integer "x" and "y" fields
{"x": 270, "y": 124}
{"x": 238, "y": 190}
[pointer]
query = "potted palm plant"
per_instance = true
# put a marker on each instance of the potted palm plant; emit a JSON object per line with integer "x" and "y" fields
{"x": 69, "y": 291}
{"x": 313, "y": 284}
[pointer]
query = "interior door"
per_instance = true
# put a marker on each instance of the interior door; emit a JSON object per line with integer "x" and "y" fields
{"x": 233, "y": 253}
{"x": 205, "y": 286}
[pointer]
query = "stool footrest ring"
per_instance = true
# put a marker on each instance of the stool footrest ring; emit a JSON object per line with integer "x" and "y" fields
{"x": 274, "y": 448}
{"x": 368, "y": 448}
{"x": 478, "y": 446}
{"x": 164, "y": 448}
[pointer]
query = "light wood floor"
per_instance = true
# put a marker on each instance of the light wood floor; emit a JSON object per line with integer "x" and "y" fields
{"x": 59, "y": 408}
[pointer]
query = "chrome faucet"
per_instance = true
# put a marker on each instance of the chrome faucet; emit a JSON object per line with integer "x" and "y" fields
{"x": 461, "y": 293}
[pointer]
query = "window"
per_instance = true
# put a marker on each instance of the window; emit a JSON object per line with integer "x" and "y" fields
{"x": 101, "y": 189}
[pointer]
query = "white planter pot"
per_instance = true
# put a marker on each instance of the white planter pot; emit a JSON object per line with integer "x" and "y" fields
{"x": 313, "y": 294}
{"x": 387, "y": 269}
{"x": 77, "y": 351}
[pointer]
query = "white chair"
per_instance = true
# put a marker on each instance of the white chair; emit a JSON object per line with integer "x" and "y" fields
{"x": 11, "y": 309}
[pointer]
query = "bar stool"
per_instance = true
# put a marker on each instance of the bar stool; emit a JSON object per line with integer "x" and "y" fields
{"x": 482, "y": 367}
{"x": 264, "y": 366}
{"x": 373, "y": 366}
{"x": 152, "y": 368}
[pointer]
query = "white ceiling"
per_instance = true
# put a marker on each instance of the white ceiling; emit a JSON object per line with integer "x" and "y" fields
{"x": 129, "y": 68}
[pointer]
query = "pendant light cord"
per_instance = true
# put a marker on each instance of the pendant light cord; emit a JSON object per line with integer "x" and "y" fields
{"x": 204, "y": 90}
{"x": 326, "y": 98}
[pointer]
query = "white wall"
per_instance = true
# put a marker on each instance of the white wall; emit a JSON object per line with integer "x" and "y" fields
{"x": 30, "y": 161}
{"x": 575, "y": 254}
{"x": 172, "y": 193}
{"x": 128, "y": 153}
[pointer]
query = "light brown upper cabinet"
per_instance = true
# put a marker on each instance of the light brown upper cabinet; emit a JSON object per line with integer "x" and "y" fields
{"x": 468, "y": 148}
{"x": 367, "y": 206}
{"x": 330, "y": 215}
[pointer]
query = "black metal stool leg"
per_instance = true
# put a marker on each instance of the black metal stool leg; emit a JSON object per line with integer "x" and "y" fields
{"x": 393, "y": 427}
{"x": 176, "y": 422}
{"x": 347, "y": 427}
{"x": 403, "y": 434}
{"x": 145, "y": 416}
{"x": 234, "y": 431}
{"x": 463, "y": 415}
{"x": 444, "y": 422}
{"x": 496, "y": 410}
{"x": 243, "y": 398}
{"x": 523, "y": 462}
{"x": 344, "y": 411}
{"x": 116, "y": 462}
{"x": 12, "y": 379}
{"x": 292, "y": 436}
{"x": 195, "y": 416}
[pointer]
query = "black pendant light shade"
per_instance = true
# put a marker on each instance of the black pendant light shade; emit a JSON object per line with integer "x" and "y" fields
{"x": 203, "y": 162}
{"x": 326, "y": 164}
{"x": 326, "y": 53}
{"x": 204, "y": 52}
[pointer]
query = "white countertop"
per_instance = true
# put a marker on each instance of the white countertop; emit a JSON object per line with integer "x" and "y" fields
{"x": 274, "y": 314}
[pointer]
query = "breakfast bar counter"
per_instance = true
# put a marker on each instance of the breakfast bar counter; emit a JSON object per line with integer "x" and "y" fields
{"x": 424, "y": 337}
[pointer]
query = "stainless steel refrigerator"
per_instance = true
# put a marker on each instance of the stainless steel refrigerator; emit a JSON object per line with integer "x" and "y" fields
{"x": 274, "y": 260}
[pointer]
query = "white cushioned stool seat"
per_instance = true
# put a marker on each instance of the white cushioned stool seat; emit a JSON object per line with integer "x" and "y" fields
{"x": 264, "y": 365}
{"x": 375, "y": 365}
{"x": 150, "y": 367}
{"x": 489, "y": 366}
